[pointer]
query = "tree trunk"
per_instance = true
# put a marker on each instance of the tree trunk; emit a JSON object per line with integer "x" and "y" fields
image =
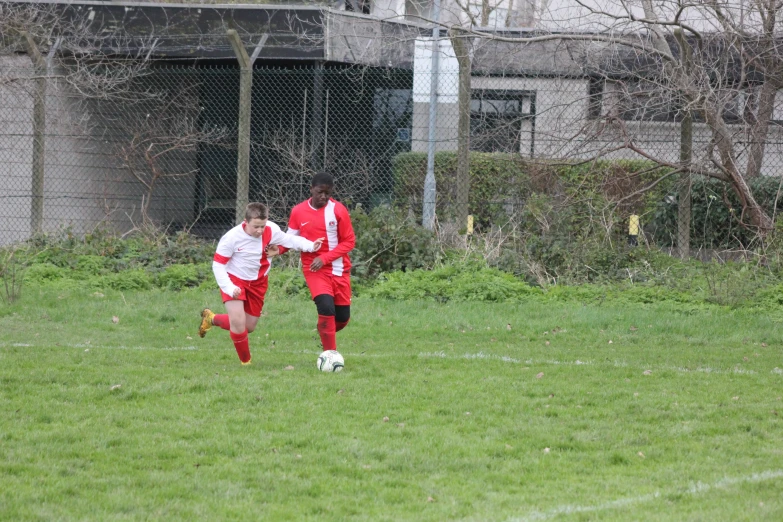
{"x": 485, "y": 10}
{"x": 753, "y": 216}
{"x": 760, "y": 127}
{"x": 462, "y": 50}
{"x": 39, "y": 136}
{"x": 684, "y": 200}
{"x": 510, "y": 18}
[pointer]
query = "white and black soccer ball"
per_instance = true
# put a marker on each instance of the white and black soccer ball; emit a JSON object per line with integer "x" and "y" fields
{"x": 330, "y": 361}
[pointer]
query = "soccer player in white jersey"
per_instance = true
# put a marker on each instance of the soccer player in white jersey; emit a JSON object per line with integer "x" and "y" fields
{"x": 328, "y": 272}
{"x": 241, "y": 266}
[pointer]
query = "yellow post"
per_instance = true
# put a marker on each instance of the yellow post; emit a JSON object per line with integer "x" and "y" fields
{"x": 633, "y": 230}
{"x": 469, "y": 228}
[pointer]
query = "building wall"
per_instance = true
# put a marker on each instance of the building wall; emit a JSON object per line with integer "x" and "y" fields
{"x": 562, "y": 128}
{"x": 85, "y": 184}
{"x": 560, "y": 105}
{"x": 16, "y": 117}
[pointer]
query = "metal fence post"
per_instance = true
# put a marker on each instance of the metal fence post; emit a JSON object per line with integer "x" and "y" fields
{"x": 316, "y": 128}
{"x": 684, "y": 203}
{"x": 243, "y": 139}
{"x": 686, "y": 153}
{"x": 428, "y": 210}
{"x": 39, "y": 129}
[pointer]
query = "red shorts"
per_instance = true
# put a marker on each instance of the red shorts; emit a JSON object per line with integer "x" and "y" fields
{"x": 253, "y": 293}
{"x": 323, "y": 282}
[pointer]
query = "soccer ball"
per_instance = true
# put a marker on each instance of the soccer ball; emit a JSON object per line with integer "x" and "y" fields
{"x": 330, "y": 361}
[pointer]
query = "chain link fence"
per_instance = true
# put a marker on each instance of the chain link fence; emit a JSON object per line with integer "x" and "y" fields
{"x": 163, "y": 150}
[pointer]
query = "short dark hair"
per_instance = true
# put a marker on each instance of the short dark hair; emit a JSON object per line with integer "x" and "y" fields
{"x": 256, "y": 211}
{"x": 322, "y": 178}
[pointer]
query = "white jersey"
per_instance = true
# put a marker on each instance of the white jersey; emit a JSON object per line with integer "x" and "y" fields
{"x": 243, "y": 256}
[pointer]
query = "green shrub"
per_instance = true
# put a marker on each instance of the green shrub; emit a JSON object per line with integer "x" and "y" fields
{"x": 177, "y": 277}
{"x": 387, "y": 240}
{"x": 500, "y": 184}
{"x": 288, "y": 282}
{"x": 45, "y": 272}
{"x": 129, "y": 280}
{"x": 92, "y": 264}
{"x": 713, "y": 223}
{"x": 770, "y": 297}
{"x": 14, "y": 262}
{"x": 496, "y": 180}
{"x": 470, "y": 282}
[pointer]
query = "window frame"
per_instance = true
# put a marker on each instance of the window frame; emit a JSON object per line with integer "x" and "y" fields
{"x": 519, "y": 95}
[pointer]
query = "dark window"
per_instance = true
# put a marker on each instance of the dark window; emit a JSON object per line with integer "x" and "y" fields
{"x": 498, "y": 117}
{"x": 742, "y": 106}
{"x": 595, "y": 92}
{"x": 358, "y": 6}
{"x": 640, "y": 100}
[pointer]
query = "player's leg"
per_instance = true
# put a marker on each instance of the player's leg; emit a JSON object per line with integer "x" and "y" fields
{"x": 254, "y": 302}
{"x": 238, "y": 330}
{"x": 210, "y": 319}
{"x": 324, "y": 303}
{"x": 320, "y": 285}
{"x": 251, "y": 321}
{"x": 342, "y": 314}
{"x": 221, "y": 321}
{"x": 341, "y": 287}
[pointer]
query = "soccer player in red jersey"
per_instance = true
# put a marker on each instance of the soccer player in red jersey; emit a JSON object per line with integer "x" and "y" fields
{"x": 241, "y": 265}
{"x": 327, "y": 272}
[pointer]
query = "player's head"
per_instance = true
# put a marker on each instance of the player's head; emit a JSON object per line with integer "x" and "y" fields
{"x": 256, "y": 215}
{"x": 321, "y": 188}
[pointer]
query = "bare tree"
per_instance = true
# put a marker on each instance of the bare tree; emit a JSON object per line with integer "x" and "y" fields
{"x": 727, "y": 78}
{"x": 288, "y": 152}
{"x": 160, "y": 137}
{"x": 94, "y": 61}
{"x": 101, "y": 77}
{"x": 724, "y": 72}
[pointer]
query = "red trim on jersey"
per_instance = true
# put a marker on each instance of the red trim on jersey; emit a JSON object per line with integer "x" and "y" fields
{"x": 221, "y": 259}
{"x": 346, "y": 240}
{"x": 266, "y": 237}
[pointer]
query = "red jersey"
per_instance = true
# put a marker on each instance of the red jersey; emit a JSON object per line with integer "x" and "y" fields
{"x": 331, "y": 221}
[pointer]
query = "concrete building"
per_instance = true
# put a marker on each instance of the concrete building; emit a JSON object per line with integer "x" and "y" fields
{"x": 549, "y": 99}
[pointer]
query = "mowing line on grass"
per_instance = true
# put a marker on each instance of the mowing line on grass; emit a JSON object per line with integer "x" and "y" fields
{"x": 693, "y": 489}
{"x": 98, "y": 346}
{"x": 479, "y": 355}
{"x": 439, "y": 355}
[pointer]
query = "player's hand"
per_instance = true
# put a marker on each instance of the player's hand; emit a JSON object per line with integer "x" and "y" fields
{"x": 317, "y": 244}
{"x": 272, "y": 251}
{"x": 316, "y": 265}
{"x": 236, "y": 293}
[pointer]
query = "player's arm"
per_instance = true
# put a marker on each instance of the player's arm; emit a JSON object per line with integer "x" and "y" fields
{"x": 346, "y": 239}
{"x": 293, "y": 242}
{"x": 220, "y": 259}
{"x": 293, "y": 230}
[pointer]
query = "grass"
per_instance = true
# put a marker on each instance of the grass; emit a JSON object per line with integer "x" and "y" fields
{"x": 454, "y": 411}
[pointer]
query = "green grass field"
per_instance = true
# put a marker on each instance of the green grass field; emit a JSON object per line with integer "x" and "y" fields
{"x": 456, "y": 411}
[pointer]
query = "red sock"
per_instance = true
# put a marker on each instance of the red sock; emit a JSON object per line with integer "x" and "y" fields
{"x": 221, "y": 320}
{"x": 242, "y": 345}
{"x": 326, "y": 331}
{"x": 339, "y": 325}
